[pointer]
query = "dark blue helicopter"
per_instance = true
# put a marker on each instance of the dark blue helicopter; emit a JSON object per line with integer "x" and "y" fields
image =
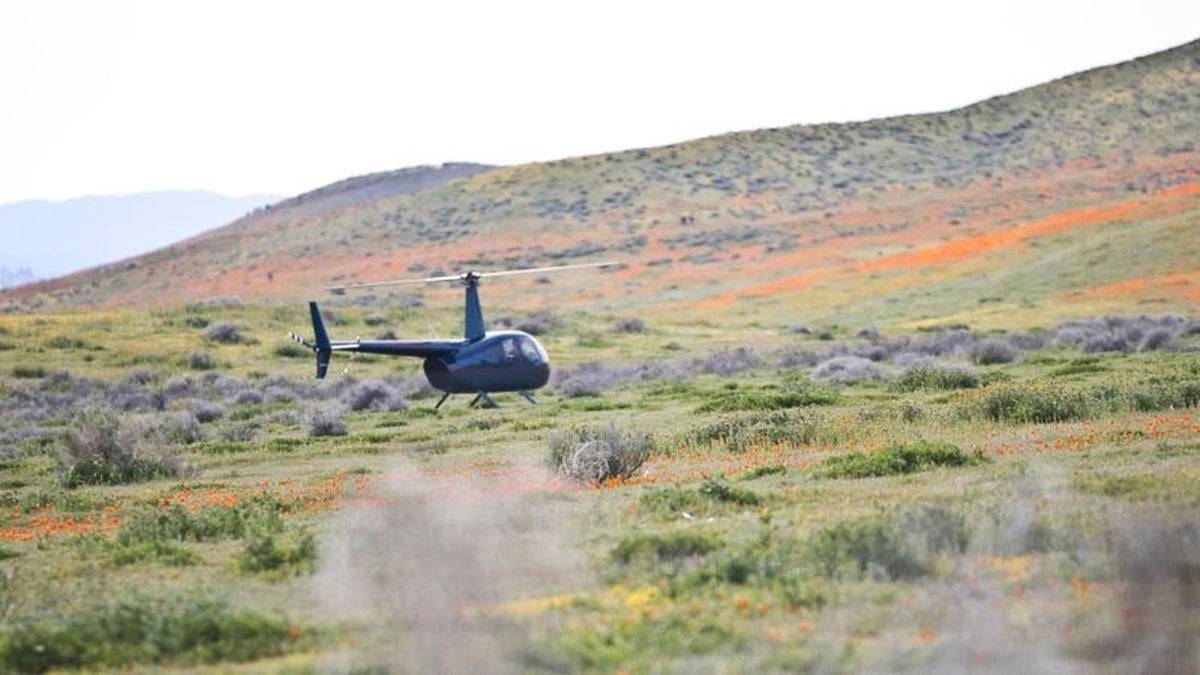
{"x": 481, "y": 363}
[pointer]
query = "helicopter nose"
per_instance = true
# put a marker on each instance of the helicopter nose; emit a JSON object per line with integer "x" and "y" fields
{"x": 543, "y": 376}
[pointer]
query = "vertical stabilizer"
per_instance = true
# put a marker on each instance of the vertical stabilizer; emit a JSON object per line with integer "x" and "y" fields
{"x": 473, "y": 321}
{"x": 323, "y": 348}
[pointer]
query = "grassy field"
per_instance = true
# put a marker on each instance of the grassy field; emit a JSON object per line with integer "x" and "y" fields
{"x": 178, "y": 494}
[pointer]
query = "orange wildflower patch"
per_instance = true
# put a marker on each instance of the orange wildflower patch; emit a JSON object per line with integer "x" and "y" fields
{"x": 198, "y": 499}
{"x": 1166, "y": 201}
{"x": 969, "y": 247}
{"x": 1077, "y": 436}
{"x": 45, "y": 526}
{"x": 1185, "y": 285}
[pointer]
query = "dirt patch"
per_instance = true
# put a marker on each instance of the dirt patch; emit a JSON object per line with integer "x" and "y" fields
{"x": 420, "y": 570}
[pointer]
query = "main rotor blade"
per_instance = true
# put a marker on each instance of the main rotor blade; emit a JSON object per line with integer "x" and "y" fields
{"x": 459, "y": 277}
{"x": 395, "y": 282}
{"x": 556, "y": 268}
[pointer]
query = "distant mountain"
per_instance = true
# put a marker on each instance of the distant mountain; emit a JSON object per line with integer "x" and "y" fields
{"x": 56, "y": 238}
{"x": 372, "y": 187}
{"x": 1071, "y": 198}
{"x": 21, "y": 275}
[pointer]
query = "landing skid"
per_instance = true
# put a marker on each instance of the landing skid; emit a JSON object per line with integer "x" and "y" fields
{"x": 485, "y": 400}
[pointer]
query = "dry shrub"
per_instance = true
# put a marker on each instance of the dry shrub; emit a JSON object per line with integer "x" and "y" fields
{"x": 373, "y": 395}
{"x": 595, "y": 454}
{"x": 228, "y": 333}
{"x": 847, "y": 369}
{"x": 99, "y": 450}
{"x": 206, "y": 411}
{"x": 200, "y": 361}
{"x": 326, "y": 421}
{"x": 993, "y": 351}
{"x": 629, "y": 325}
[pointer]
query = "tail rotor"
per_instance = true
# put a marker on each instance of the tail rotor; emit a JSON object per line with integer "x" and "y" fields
{"x": 321, "y": 347}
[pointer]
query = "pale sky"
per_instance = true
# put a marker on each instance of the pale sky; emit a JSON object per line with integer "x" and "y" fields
{"x": 119, "y": 96}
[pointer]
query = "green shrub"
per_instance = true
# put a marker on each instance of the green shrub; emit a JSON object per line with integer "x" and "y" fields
{"x": 712, "y": 497}
{"x": 165, "y": 552}
{"x": 1079, "y": 366}
{"x": 899, "y": 547}
{"x": 183, "y": 632}
{"x": 260, "y": 513}
{"x": 766, "y": 399}
{"x": 723, "y": 492}
{"x": 672, "y": 501}
{"x": 264, "y": 552}
{"x": 759, "y": 472}
{"x": 28, "y": 372}
{"x": 1025, "y": 403}
{"x": 668, "y": 546}
{"x": 64, "y": 342}
{"x": 291, "y": 350}
{"x": 35, "y": 500}
{"x": 931, "y": 375}
{"x": 894, "y": 461}
{"x": 1165, "y": 396}
{"x": 738, "y": 432}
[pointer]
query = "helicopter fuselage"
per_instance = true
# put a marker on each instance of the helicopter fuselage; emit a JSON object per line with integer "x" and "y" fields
{"x": 507, "y": 360}
{"x": 500, "y": 361}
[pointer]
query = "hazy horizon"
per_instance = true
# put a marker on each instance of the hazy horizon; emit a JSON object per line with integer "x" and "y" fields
{"x": 57, "y": 237}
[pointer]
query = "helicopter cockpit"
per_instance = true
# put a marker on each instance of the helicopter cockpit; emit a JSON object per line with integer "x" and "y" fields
{"x": 523, "y": 347}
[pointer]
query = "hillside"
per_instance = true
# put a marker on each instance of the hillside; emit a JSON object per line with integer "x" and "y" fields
{"x": 1076, "y": 196}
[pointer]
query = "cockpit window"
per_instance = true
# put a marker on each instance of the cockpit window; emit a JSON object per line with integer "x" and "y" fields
{"x": 510, "y": 349}
{"x": 533, "y": 351}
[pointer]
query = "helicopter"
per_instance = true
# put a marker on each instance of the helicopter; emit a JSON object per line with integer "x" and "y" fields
{"x": 482, "y": 363}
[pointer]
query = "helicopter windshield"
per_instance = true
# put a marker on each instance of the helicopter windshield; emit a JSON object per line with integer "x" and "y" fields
{"x": 533, "y": 351}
